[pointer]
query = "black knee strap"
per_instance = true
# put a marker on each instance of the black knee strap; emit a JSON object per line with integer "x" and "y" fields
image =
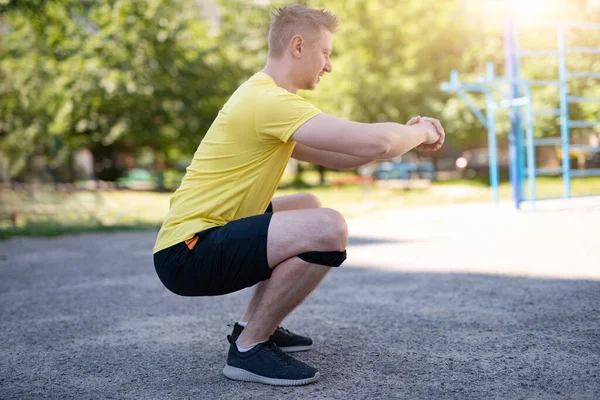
{"x": 327, "y": 258}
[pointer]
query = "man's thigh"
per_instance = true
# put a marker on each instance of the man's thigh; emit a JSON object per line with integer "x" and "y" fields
{"x": 295, "y": 232}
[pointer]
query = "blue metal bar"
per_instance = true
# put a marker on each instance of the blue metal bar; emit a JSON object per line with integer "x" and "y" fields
{"x": 534, "y": 82}
{"x": 582, "y": 50}
{"x": 513, "y": 74}
{"x": 531, "y": 82}
{"x": 581, "y": 25}
{"x": 548, "y": 112}
{"x": 530, "y": 146}
{"x": 580, "y": 196}
{"x": 490, "y": 73}
{"x": 493, "y": 80}
{"x": 459, "y": 88}
{"x": 548, "y": 171}
{"x": 455, "y": 84}
{"x": 473, "y": 87}
{"x": 583, "y": 147}
{"x": 577, "y": 173}
{"x": 488, "y": 122}
{"x": 520, "y": 131}
{"x": 518, "y": 102}
{"x": 556, "y": 24}
{"x": 496, "y": 81}
{"x": 543, "y": 82}
{"x": 538, "y": 53}
{"x": 583, "y": 75}
{"x": 586, "y": 172}
{"x": 583, "y": 99}
{"x": 493, "y": 149}
{"x": 472, "y": 107}
{"x": 521, "y": 150}
{"x": 564, "y": 113}
{"x": 553, "y": 53}
{"x": 492, "y": 141}
{"x": 584, "y": 124}
{"x": 539, "y": 23}
{"x": 547, "y": 142}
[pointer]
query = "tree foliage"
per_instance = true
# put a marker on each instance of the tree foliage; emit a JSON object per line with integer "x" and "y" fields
{"x": 154, "y": 73}
{"x": 110, "y": 73}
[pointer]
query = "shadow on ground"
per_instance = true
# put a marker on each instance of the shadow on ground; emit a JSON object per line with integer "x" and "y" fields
{"x": 86, "y": 317}
{"x": 367, "y": 241}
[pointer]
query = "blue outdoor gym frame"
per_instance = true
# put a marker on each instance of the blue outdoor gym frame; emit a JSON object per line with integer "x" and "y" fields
{"x": 518, "y": 100}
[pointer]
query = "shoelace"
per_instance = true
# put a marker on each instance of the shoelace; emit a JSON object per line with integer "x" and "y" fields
{"x": 283, "y": 356}
{"x": 282, "y": 329}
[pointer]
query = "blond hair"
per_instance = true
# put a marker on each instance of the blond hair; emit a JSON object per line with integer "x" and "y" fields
{"x": 297, "y": 20}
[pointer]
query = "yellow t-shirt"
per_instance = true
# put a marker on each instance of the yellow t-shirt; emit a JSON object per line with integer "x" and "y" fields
{"x": 239, "y": 163}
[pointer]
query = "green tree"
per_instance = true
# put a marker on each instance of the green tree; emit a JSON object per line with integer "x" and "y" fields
{"x": 109, "y": 73}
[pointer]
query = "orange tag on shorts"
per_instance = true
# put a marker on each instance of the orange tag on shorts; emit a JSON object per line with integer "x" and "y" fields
{"x": 191, "y": 243}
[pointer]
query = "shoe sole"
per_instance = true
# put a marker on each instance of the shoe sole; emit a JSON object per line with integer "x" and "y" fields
{"x": 239, "y": 374}
{"x": 295, "y": 349}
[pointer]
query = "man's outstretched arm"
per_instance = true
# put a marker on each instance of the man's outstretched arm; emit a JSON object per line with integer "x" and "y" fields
{"x": 333, "y": 160}
{"x": 370, "y": 141}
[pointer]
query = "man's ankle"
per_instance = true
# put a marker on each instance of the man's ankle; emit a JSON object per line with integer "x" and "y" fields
{"x": 249, "y": 337}
{"x": 242, "y": 349}
{"x": 245, "y": 342}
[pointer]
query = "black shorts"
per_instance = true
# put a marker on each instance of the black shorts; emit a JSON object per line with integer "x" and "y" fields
{"x": 225, "y": 259}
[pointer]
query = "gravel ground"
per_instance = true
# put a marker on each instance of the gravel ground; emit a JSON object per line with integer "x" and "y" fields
{"x": 445, "y": 302}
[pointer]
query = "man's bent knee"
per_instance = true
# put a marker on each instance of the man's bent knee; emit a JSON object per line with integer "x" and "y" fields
{"x": 335, "y": 230}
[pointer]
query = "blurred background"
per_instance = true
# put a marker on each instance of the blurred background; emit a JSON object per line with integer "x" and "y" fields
{"x": 103, "y": 103}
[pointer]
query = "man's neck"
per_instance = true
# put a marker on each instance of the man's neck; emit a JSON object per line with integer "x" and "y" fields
{"x": 278, "y": 72}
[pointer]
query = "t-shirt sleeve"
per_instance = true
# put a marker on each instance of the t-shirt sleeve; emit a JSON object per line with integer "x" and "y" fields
{"x": 279, "y": 113}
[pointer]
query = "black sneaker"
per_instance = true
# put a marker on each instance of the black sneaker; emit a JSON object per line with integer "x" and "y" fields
{"x": 266, "y": 363}
{"x": 287, "y": 341}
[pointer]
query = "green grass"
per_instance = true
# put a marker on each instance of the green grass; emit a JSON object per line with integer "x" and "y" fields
{"x": 110, "y": 211}
{"x": 355, "y": 200}
{"x": 54, "y": 228}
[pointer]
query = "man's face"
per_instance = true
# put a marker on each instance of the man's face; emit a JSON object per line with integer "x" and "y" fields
{"x": 315, "y": 61}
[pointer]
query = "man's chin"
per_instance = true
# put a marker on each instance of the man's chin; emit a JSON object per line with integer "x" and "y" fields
{"x": 311, "y": 86}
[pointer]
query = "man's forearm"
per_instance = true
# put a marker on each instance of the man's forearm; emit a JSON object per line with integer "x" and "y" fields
{"x": 328, "y": 159}
{"x": 344, "y": 161}
{"x": 393, "y": 140}
{"x": 401, "y": 138}
{"x": 332, "y": 160}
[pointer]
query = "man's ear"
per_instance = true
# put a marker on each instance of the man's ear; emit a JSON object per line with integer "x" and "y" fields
{"x": 297, "y": 46}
